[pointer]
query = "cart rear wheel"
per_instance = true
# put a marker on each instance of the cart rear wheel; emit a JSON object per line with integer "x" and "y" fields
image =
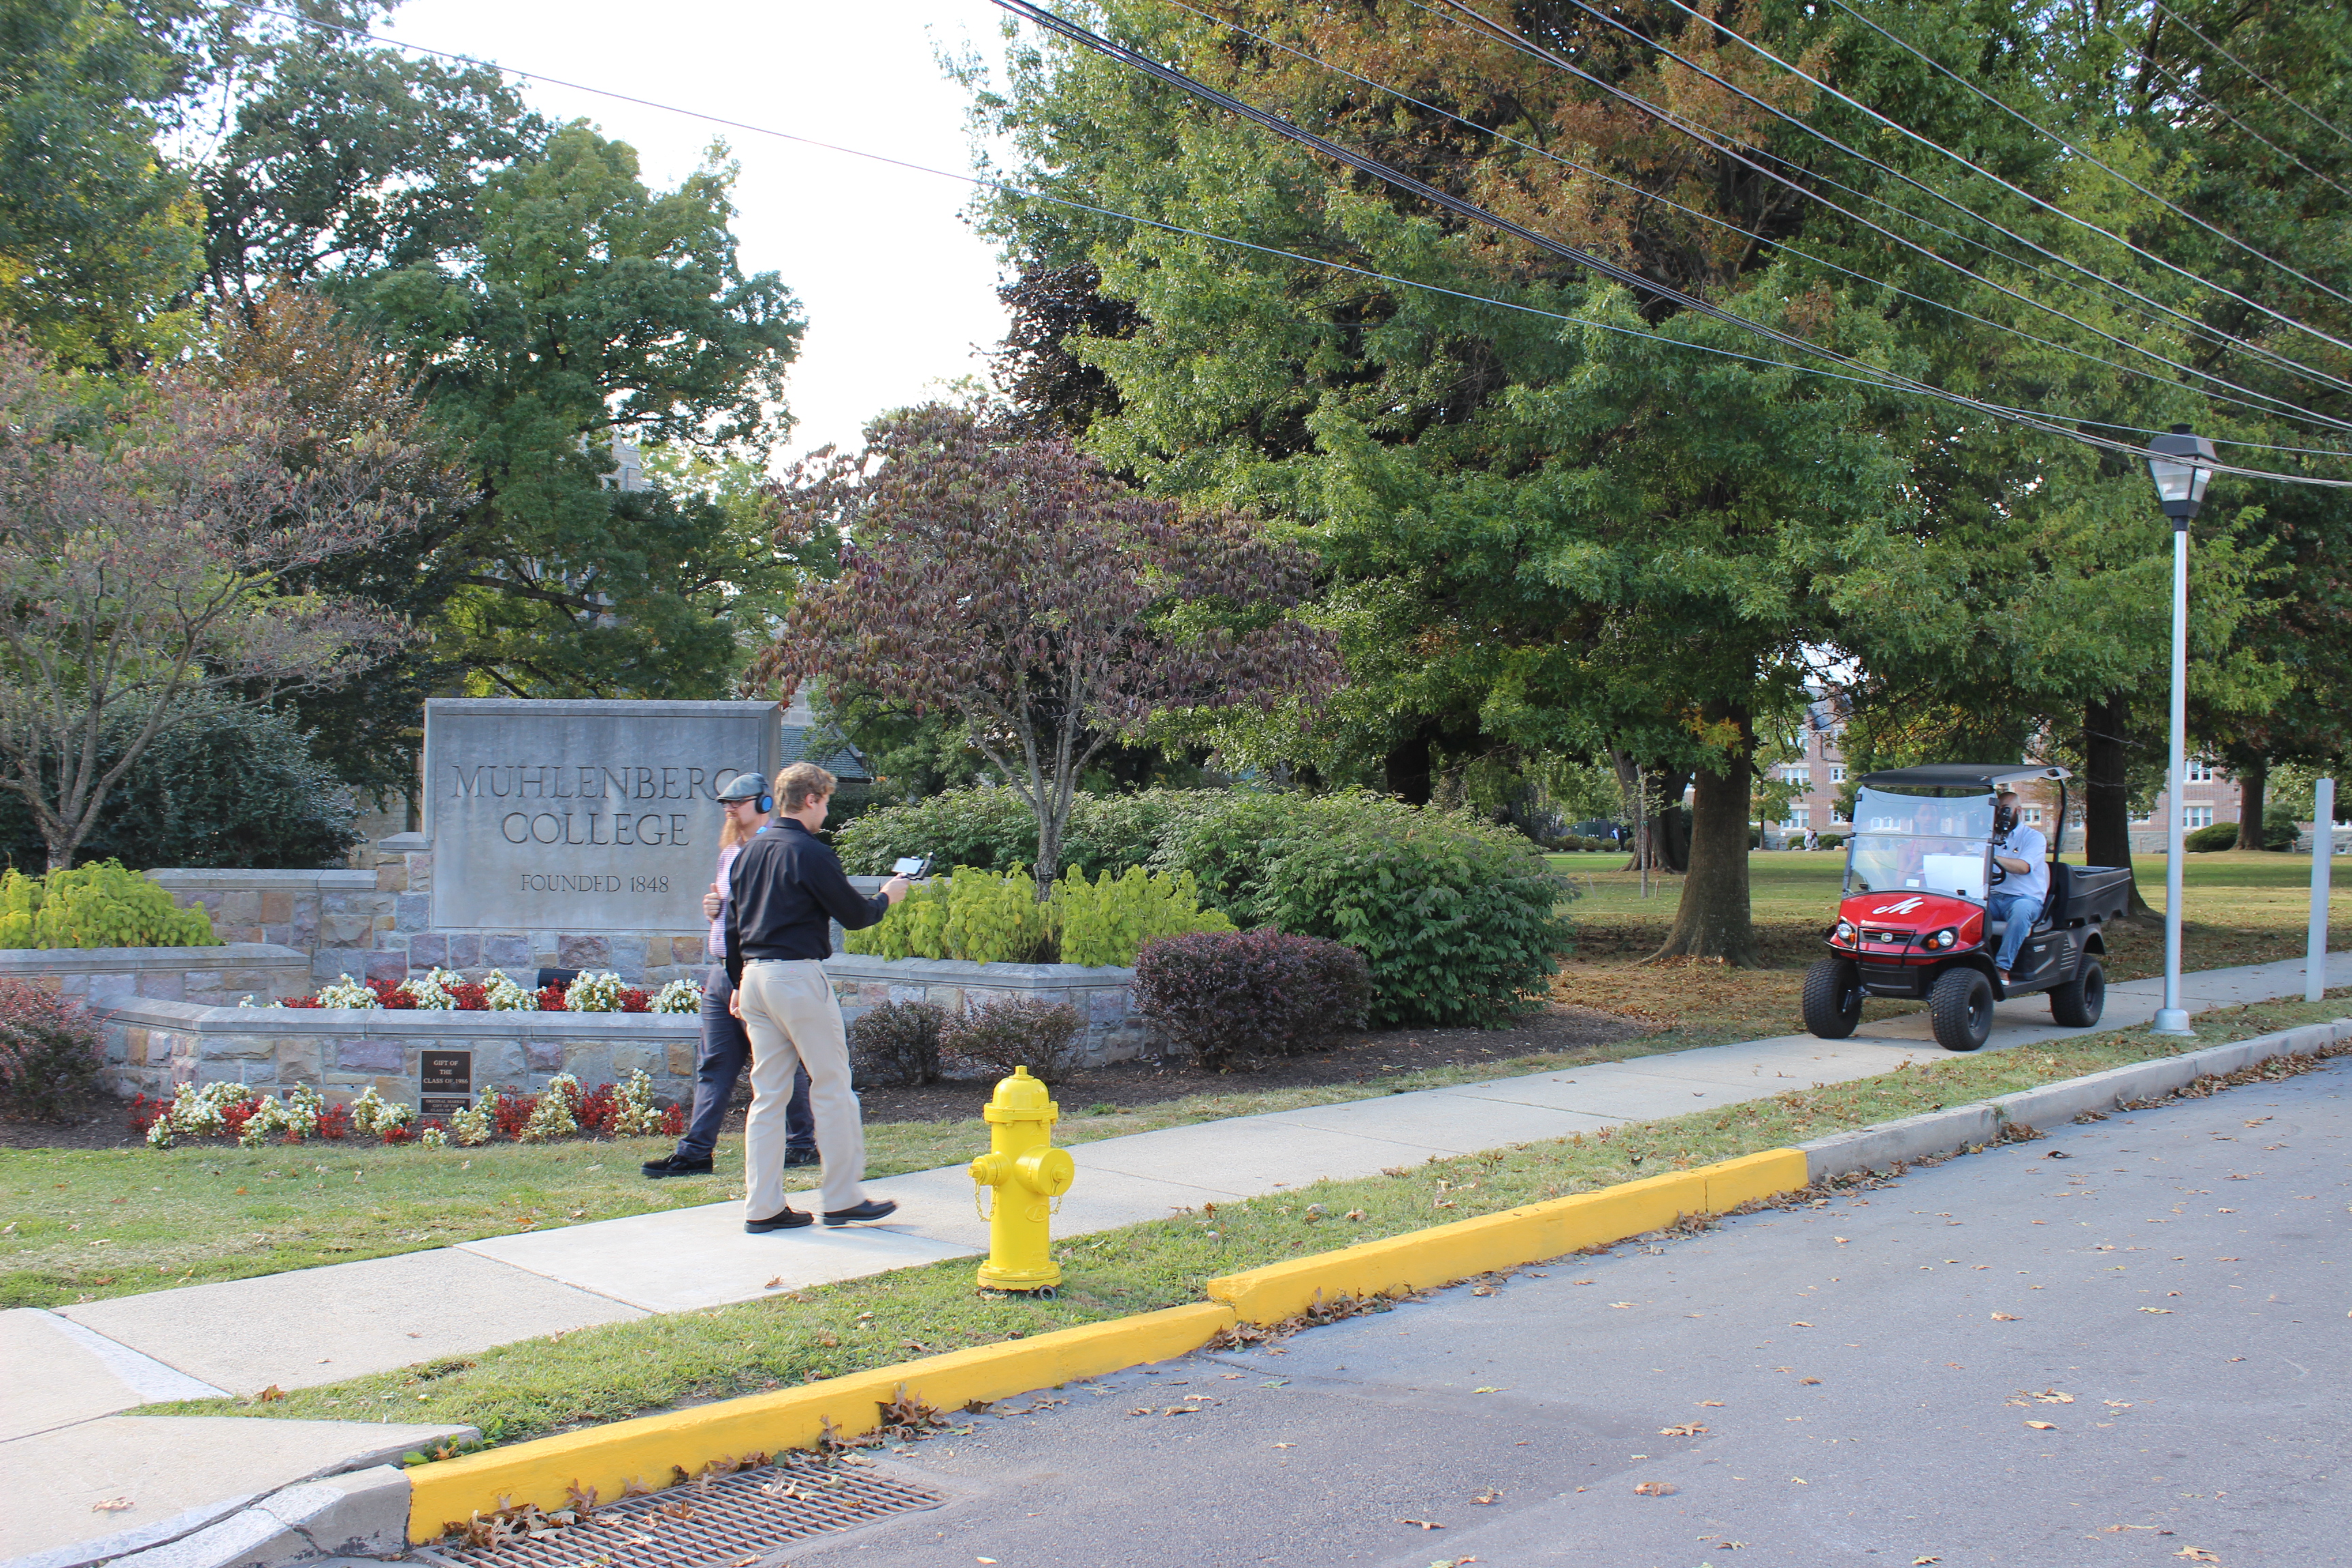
{"x": 1832, "y": 998}
{"x": 1961, "y": 1006}
{"x": 2079, "y": 1002}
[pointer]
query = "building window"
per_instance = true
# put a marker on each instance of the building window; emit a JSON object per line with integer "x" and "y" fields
{"x": 1800, "y": 818}
{"x": 1797, "y": 773}
{"x": 2032, "y": 816}
{"x": 2195, "y": 816}
{"x": 2148, "y": 816}
{"x": 2199, "y": 770}
{"x": 1837, "y": 772}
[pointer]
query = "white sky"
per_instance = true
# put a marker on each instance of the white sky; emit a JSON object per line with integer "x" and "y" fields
{"x": 898, "y": 292}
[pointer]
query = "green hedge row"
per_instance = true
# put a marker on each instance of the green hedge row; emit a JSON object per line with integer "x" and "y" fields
{"x": 1457, "y": 920}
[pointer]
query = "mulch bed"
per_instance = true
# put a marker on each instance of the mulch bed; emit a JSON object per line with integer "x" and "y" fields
{"x": 1358, "y": 1058}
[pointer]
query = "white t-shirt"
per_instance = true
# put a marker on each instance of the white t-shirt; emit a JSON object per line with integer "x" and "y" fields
{"x": 2026, "y": 843}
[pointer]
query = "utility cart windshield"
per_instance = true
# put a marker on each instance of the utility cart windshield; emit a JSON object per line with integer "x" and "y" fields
{"x": 1928, "y": 840}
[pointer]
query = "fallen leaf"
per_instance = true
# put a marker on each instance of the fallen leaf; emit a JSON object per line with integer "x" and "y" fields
{"x": 1285, "y": 1445}
{"x": 1486, "y": 1391}
{"x": 775, "y": 1284}
{"x": 272, "y": 1393}
{"x": 1654, "y": 1489}
{"x": 1353, "y": 1214}
{"x": 1421, "y": 1524}
{"x": 2197, "y": 1555}
{"x": 1483, "y": 1290}
{"x": 2042, "y": 1426}
{"x": 111, "y": 1505}
{"x": 1147, "y": 1410}
{"x": 1800, "y": 1325}
{"x": 1489, "y": 1496}
{"x": 1712, "y": 1403}
{"x": 1808, "y": 1380}
{"x": 2160, "y": 1311}
{"x": 1923, "y": 1562}
{"x": 240, "y": 1192}
{"x": 1686, "y": 1429}
{"x": 1621, "y": 1305}
{"x": 1799, "y": 1481}
{"x": 2007, "y": 1318}
{"x": 1839, "y": 1239}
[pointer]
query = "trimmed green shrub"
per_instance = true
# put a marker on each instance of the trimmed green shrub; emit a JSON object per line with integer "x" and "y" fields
{"x": 993, "y": 830}
{"x": 2205, "y": 840}
{"x": 1043, "y": 1036}
{"x": 1227, "y": 999}
{"x": 1456, "y": 918}
{"x": 1110, "y": 919}
{"x": 96, "y": 905}
{"x": 896, "y": 1044}
{"x": 226, "y": 784}
{"x": 991, "y": 917}
{"x": 51, "y": 1052}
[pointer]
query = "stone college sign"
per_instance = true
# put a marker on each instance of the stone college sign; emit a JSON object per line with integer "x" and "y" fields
{"x": 581, "y": 815}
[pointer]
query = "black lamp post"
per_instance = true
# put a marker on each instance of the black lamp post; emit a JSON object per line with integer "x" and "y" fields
{"x": 2174, "y": 463}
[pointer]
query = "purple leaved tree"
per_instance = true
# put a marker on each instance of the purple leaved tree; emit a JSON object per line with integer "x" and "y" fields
{"x": 1018, "y": 584}
{"x": 147, "y": 553}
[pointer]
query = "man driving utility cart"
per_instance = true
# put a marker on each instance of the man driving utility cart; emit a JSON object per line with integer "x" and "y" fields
{"x": 1951, "y": 897}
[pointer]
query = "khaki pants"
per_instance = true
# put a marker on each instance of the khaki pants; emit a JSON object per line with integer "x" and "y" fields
{"x": 794, "y": 1021}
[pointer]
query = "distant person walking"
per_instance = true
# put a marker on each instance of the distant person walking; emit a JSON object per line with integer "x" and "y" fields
{"x": 726, "y": 1048}
{"x": 784, "y": 890}
{"x": 1813, "y": 839}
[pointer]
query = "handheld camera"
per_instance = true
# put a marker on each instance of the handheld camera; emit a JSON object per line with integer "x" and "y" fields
{"x": 914, "y": 868}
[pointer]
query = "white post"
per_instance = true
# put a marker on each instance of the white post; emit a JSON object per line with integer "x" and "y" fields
{"x": 2323, "y": 851}
{"x": 2172, "y": 1019}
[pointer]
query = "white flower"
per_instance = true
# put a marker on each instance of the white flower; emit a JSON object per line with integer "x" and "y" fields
{"x": 633, "y": 1111}
{"x": 597, "y": 991}
{"x": 347, "y": 992}
{"x": 435, "y": 993}
{"x": 551, "y": 1118}
{"x": 503, "y": 995}
{"x": 372, "y": 1113}
{"x": 679, "y": 996}
{"x": 433, "y": 1138}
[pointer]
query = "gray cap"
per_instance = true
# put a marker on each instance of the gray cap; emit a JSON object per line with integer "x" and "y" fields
{"x": 743, "y": 786}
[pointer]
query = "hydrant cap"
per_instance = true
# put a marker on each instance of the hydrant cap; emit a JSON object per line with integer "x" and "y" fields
{"x": 1021, "y": 1097}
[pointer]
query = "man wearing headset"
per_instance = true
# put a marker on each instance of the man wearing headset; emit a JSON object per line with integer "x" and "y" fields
{"x": 726, "y": 1048}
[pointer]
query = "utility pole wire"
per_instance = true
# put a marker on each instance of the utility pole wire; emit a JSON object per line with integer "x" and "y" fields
{"x": 2251, "y": 71}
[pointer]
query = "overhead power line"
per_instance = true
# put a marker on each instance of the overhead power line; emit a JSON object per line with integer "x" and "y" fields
{"x": 2274, "y": 91}
{"x": 1479, "y": 26}
{"x": 1881, "y": 380}
{"x": 2090, "y": 158}
{"x": 1498, "y": 30}
{"x": 1600, "y": 266}
{"x": 2285, "y": 408}
{"x": 2193, "y": 96}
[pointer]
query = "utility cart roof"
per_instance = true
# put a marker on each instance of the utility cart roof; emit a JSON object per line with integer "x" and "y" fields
{"x": 1962, "y": 775}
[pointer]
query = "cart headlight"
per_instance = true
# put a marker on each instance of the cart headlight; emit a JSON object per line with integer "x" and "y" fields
{"x": 1950, "y": 937}
{"x": 1844, "y": 934}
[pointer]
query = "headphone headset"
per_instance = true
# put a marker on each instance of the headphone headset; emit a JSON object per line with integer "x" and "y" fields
{"x": 767, "y": 802}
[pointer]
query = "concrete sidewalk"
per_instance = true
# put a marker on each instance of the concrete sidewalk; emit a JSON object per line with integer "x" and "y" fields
{"x": 322, "y": 1325}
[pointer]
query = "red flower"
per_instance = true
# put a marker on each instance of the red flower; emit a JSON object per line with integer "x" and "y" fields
{"x": 471, "y": 997}
{"x": 335, "y": 1121}
{"x": 551, "y": 997}
{"x": 397, "y": 1135}
{"x": 636, "y": 1001}
{"x": 301, "y": 1002}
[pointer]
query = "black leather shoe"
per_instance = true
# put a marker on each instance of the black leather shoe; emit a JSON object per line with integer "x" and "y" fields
{"x": 782, "y": 1219}
{"x": 801, "y": 1157}
{"x": 676, "y": 1166}
{"x": 871, "y": 1209}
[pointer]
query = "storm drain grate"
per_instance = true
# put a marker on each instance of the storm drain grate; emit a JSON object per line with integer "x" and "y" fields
{"x": 724, "y": 1522}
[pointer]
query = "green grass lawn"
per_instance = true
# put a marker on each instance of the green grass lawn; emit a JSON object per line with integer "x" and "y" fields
{"x": 611, "y": 1372}
{"x": 83, "y": 1225}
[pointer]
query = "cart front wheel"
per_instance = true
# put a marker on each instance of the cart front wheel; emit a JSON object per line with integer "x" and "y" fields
{"x": 1832, "y": 998}
{"x": 1961, "y": 1006}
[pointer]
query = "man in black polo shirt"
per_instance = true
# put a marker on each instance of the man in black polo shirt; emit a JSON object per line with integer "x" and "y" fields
{"x": 784, "y": 891}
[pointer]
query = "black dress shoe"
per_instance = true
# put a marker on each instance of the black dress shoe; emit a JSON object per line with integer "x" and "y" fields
{"x": 871, "y": 1209}
{"x": 801, "y": 1157}
{"x": 782, "y": 1219}
{"x": 678, "y": 1165}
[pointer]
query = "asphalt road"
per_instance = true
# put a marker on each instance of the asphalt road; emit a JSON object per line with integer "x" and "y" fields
{"x": 2136, "y": 1353}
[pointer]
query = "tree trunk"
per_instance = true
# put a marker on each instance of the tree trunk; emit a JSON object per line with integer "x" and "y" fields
{"x": 1713, "y": 920}
{"x": 1406, "y": 770}
{"x": 2253, "y": 782}
{"x": 2106, "y": 791}
{"x": 1665, "y": 823}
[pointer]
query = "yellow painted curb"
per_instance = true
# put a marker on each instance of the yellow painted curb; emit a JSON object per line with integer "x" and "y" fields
{"x": 609, "y": 1458}
{"x": 1420, "y": 1259}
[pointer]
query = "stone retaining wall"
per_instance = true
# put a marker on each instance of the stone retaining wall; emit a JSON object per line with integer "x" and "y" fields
{"x": 1103, "y": 995}
{"x": 217, "y": 976}
{"x": 154, "y": 1046}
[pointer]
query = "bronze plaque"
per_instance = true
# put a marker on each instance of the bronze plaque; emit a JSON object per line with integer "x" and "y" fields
{"x": 444, "y": 1081}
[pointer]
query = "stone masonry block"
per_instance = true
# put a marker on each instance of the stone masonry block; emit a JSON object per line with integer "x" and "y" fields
{"x": 627, "y": 955}
{"x": 345, "y": 930}
{"x": 543, "y": 1055}
{"x": 681, "y": 1055}
{"x": 277, "y": 908}
{"x": 412, "y": 912}
{"x": 233, "y": 1047}
{"x": 420, "y": 872}
{"x": 329, "y": 963}
{"x": 299, "y": 1059}
{"x": 106, "y": 989}
{"x": 584, "y": 953}
{"x": 428, "y": 950}
{"x": 392, "y": 878}
{"x": 688, "y": 950}
{"x": 163, "y": 984}
{"x": 204, "y": 985}
{"x": 387, "y": 964}
{"x": 239, "y": 909}
{"x": 368, "y": 1056}
{"x": 508, "y": 950}
{"x": 464, "y": 950}
{"x": 134, "y": 1045}
{"x": 280, "y": 935}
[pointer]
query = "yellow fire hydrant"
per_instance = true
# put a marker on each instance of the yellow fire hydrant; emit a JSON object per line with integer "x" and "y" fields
{"x": 1027, "y": 1173}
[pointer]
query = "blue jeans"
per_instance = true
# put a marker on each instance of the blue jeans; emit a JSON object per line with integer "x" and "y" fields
{"x": 2020, "y": 910}
{"x": 726, "y": 1052}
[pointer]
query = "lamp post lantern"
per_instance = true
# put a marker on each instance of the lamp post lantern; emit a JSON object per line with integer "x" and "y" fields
{"x": 2180, "y": 480}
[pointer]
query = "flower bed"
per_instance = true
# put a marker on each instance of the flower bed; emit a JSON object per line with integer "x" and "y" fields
{"x": 598, "y": 991}
{"x": 242, "y": 1114}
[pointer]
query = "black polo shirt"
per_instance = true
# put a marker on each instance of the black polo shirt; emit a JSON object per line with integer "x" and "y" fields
{"x": 784, "y": 891}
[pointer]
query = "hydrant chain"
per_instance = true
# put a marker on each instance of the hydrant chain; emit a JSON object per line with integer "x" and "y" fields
{"x": 1029, "y": 1176}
